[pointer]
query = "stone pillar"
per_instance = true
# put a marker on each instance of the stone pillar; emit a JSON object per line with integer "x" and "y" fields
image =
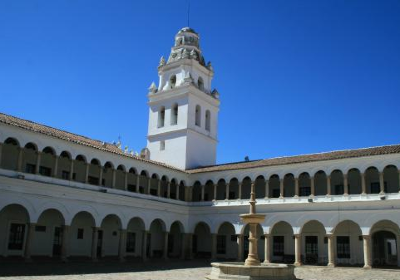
{"x": 165, "y": 253}
{"x": 312, "y": 186}
{"x": 125, "y": 181}
{"x": 213, "y": 246}
{"x": 239, "y": 240}
{"x": 65, "y": 243}
{"x": 190, "y": 246}
{"x": 381, "y": 183}
{"x": 215, "y": 191}
{"x": 227, "y": 191}
{"x": 87, "y": 173}
{"x": 114, "y": 178}
{"x": 148, "y": 186}
{"x": 267, "y": 248}
{"x": 266, "y": 188}
{"x": 297, "y": 249}
{"x": 20, "y": 157}
{"x": 71, "y": 170}
{"x": 100, "y": 176}
{"x": 144, "y": 245}
{"x": 122, "y": 245}
{"x": 159, "y": 188}
{"x": 38, "y": 159}
{"x": 363, "y": 184}
{"x": 345, "y": 185}
{"x": 95, "y": 236}
{"x": 202, "y": 193}
{"x": 169, "y": 190}
{"x": 55, "y": 167}
{"x": 296, "y": 187}
{"x": 137, "y": 182}
{"x": 328, "y": 186}
{"x": 331, "y": 251}
{"x": 29, "y": 238}
{"x": 367, "y": 251}
{"x": 281, "y": 190}
{"x": 177, "y": 191}
{"x": 240, "y": 191}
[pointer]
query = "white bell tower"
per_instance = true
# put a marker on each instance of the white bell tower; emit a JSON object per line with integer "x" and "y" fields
{"x": 183, "y": 113}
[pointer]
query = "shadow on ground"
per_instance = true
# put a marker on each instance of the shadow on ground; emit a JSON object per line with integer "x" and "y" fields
{"x": 75, "y": 267}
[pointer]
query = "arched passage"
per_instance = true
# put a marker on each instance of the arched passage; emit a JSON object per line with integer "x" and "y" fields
{"x": 246, "y": 188}
{"x": 385, "y": 244}
{"x": 320, "y": 181}
{"x": 47, "y": 240}
{"x": 135, "y": 237}
{"x": 354, "y": 181}
{"x": 282, "y": 243}
{"x": 337, "y": 182}
{"x": 175, "y": 240}
{"x": 391, "y": 179}
{"x": 348, "y": 244}
{"x": 10, "y": 154}
{"x": 221, "y": 190}
{"x": 274, "y": 186}
{"x": 227, "y": 247}
{"x": 157, "y": 238}
{"x": 202, "y": 241}
{"x": 288, "y": 185}
{"x": 315, "y": 250}
{"x": 81, "y": 235}
{"x": 259, "y": 186}
{"x": 14, "y": 222}
{"x": 110, "y": 227}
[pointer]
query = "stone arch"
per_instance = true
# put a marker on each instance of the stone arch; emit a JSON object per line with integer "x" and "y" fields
{"x": 282, "y": 242}
{"x": 320, "y": 182}
{"x": 175, "y": 239}
{"x": 391, "y": 179}
{"x": 202, "y": 240}
{"x": 80, "y": 168}
{"x": 337, "y": 182}
{"x": 315, "y": 250}
{"x": 384, "y": 243}
{"x": 274, "y": 186}
{"x": 196, "y": 194}
{"x": 288, "y": 185}
{"x": 246, "y": 187}
{"x": 348, "y": 243}
{"x": 221, "y": 189}
{"x": 10, "y": 154}
{"x": 227, "y": 246}
{"x": 198, "y": 115}
{"x": 111, "y": 226}
{"x": 135, "y": 231}
{"x": 372, "y": 181}
{"x": 234, "y": 188}
{"x": 259, "y": 186}
{"x": 157, "y": 232}
{"x": 354, "y": 181}
{"x": 82, "y": 224}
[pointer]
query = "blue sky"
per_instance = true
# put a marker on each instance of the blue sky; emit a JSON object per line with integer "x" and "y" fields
{"x": 295, "y": 76}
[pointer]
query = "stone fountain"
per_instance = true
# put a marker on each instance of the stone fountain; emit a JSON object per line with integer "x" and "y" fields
{"x": 251, "y": 269}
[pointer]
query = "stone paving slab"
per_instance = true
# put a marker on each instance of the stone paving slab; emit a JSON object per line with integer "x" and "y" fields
{"x": 172, "y": 270}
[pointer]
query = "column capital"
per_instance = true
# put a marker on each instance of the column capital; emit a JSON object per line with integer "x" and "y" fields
{"x": 266, "y": 235}
{"x": 297, "y": 235}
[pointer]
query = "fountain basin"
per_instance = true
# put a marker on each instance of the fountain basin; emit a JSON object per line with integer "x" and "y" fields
{"x": 237, "y": 270}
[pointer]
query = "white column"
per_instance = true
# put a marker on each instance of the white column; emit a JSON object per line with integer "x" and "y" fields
{"x": 215, "y": 191}
{"x": 137, "y": 182}
{"x": 227, "y": 191}
{"x": 114, "y": 178}
{"x": 312, "y": 186}
{"x": 281, "y": 190}
{"x": 363, "y": 184}
{"x": 55, "y": 167}
{"x": 345, "y": 184}
{"x": 29, "y": 239}
{"x": 165, "y": 253}
{"x": 266, "y": 188}
{"x": 38, "y": 159}
{"x": 213, "y": 246}
{"x": 20, "y": 157}
{"x": 296, "y": 187}
{"x": 328, "y": 185}
{"x": 71, "y": 170}
{"x": 169, "y": 190}
{"x": 177, "y": 192}
{"x": 122, "y": 245}
{"x": 125, "y": 181}
{"x": 148, "y": 186}
{"x": 144, "y": 246}
{"x": 100, "y": 176}
{"x": 95, "y": 233}
{"x": 87, "y": 173}
{"x": 202, "y": 193}
{"x": 382, "y": 182}
{"x": 240, "y": 191}
{"x": 331, "y": 251}
{"x": 367, "y": 251}
{"x": 159, "y": 188}
{"x": 297, "y": 249}
{"x": 267, "y": 248}
{"x": 239, "y": 240}
{"x": 65, "y": 243}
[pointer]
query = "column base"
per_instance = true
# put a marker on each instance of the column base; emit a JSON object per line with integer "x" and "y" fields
{"x": 266, "y": 262}
{"x": 367, "y": 267}
{"x": 297, "y": 264}
{"x": 331, "y": 265}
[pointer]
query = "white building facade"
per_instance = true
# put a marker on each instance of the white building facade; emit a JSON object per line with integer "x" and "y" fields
{"x": 67, "y": 196}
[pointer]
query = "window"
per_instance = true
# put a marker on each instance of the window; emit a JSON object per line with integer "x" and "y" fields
{"x": 221, "y": 244}
{"x": 80, "y": 233}
{"x": 311, "y": 245}
{"x": 279, "y": 245}
{"x": 200, "y": 83}
{"x": 198, "y": 115}
{"x": 30, "y": 168}
{"x": 162, "y": 145}
{"x": 174, "y": 114}
{"x": 343, "y": 247}
{"x": 65, "y": 175}
{"x": 172, "y": 81}
{"x": 208, "y": 120}
{"x": 16, "y": 237}
{"x": 45, "y": 171}
{"x": 161, "y": 117}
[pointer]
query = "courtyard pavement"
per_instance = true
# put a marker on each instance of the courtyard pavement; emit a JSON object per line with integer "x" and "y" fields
{"x": 167, "y": 270}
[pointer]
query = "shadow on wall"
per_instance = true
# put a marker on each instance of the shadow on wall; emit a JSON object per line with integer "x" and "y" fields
{"x": 42, "y": 268}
